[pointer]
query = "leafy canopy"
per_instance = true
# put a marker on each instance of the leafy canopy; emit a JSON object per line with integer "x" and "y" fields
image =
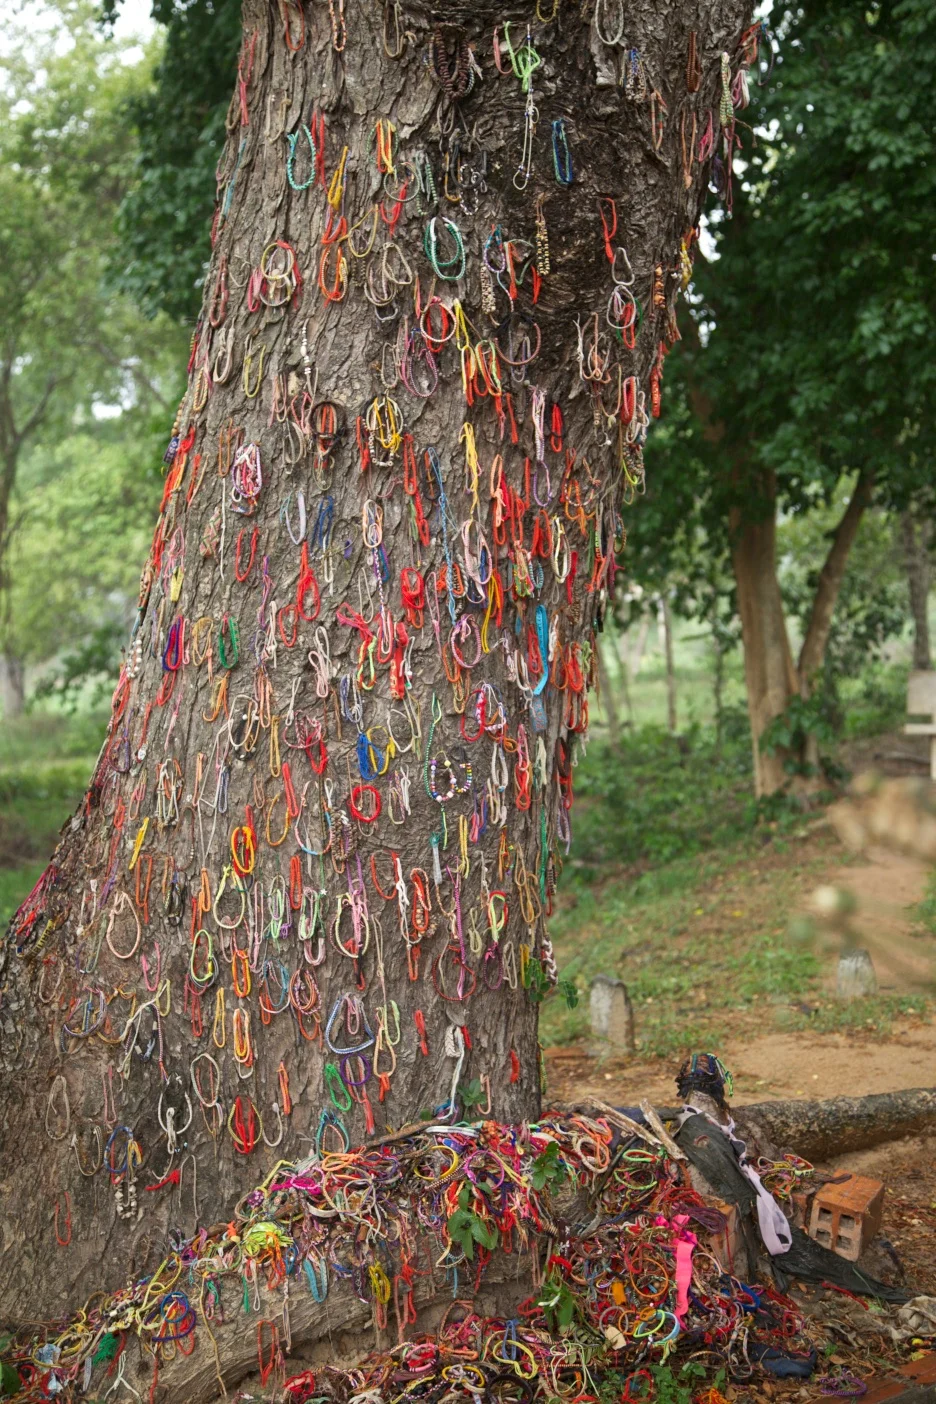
{"x": 808, "y": 351}
{"x": 84, "y": 378}
{"x": 165, "y": 217}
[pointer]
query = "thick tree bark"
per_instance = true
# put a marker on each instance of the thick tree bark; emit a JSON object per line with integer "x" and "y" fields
{"x": 916, "y": 538}
{"x": 284, "y": 682}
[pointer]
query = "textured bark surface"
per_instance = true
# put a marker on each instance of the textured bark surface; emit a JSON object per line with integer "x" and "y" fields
{"x": 99, "y": 1031}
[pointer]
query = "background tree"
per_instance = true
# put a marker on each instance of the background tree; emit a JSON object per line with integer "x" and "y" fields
{"x": 828, "y": 230}
{"x": 69, "y": 344}
{"x": 165, "y": 216}
{"x": 915, "y": 535}
{"x": 305, "y": 895}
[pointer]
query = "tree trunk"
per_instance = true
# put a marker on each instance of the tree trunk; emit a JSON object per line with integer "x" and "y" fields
{"x": 916, "y": 538}
{"x": 718, "y": 689}
{"x": 609, "y": 701}
{"x": 12, "y": 686}
{"x": 635, "y": 655}
{"x": 772, "y": 680}
{"x": 829, "y": 584}
{"x": 666, "y": 628}
{"x": 768, "y": 663}
{"x": 339, "y": 760}
{"x": 613, "y": 659}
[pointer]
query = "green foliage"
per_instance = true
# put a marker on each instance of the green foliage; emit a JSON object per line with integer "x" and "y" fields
{"x": 89, "y": 378}
{"x": 72, "y": 342}
{"x": 465, "y": 1228}
{"x": 822, "y": 305}
{"x": 85, "y": 505}
{"x": 10, "y": 1382}
{"x": 472, "y": 1094}
{"x": 558, "y": 1302}
{"x": 806, "y": 352}
{"x": 45, "y": 761}
{"x": 569, "y": 993}
{"x": 661, "y": 797}
{"x": 548, "y": 1169}
{"x": 95, "y": 657}
{"x": 676, "y": 1386}
{"x": 165, "y": 217}
{"x": 872, "y": 603}
{"x": 802, "y": 717}
{"x": 535, "y": 980}
{"x": 875, "y": 701}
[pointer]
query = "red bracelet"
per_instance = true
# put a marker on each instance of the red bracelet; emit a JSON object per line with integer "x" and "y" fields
{"x": 354, "y": 803}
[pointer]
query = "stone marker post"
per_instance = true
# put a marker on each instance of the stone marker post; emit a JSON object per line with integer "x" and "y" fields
{"x": 611, "y": 1014}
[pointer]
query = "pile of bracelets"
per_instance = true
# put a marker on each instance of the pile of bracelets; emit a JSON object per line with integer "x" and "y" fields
{"x": 621, "y": 1264}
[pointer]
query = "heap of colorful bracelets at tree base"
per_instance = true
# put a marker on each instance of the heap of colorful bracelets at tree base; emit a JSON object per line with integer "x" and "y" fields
{"x": 618, "y": 1245}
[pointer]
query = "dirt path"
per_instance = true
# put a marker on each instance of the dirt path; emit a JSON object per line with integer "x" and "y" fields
{"x": 776, "y": 1065}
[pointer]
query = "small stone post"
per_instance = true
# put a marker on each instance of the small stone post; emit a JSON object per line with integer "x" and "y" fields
{"x": 611, "y": 1014}
{"x": 856, "y": 978}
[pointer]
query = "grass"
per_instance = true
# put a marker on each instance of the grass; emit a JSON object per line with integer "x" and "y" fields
{"x": 679, "y": 884}
{"x": 702, "y": 943}
{"x": 876, "y": 1015}
{"x": 711, "y": 946}
{"x": 655, "y": 798}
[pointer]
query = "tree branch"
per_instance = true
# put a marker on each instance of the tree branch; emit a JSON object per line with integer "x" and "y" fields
{"x": 830, "y": 581}
{"x": 38, "y": 414}
{"x": 134, "y": 370}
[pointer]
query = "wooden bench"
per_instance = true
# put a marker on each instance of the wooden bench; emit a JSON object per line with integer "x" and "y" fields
{"x": 921, "y": 702}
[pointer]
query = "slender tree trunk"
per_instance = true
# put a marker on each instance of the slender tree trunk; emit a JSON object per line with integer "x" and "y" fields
{"x": 719, "y": 690}
{"x": 318, "y": 845}
{"x": 828, "y": 586}
{"x": 829, "y": 583}
{"x": 635, "y": 655}
{"x": 12, "y": 685}
{"x": 617, "y": 671}
{"x": 916, "y": 538}
{"x": 769, "y": 674}
{"x": 772, "y": 678}
{"x": 666, "y": 628}
{"x": 610, "y": 703}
